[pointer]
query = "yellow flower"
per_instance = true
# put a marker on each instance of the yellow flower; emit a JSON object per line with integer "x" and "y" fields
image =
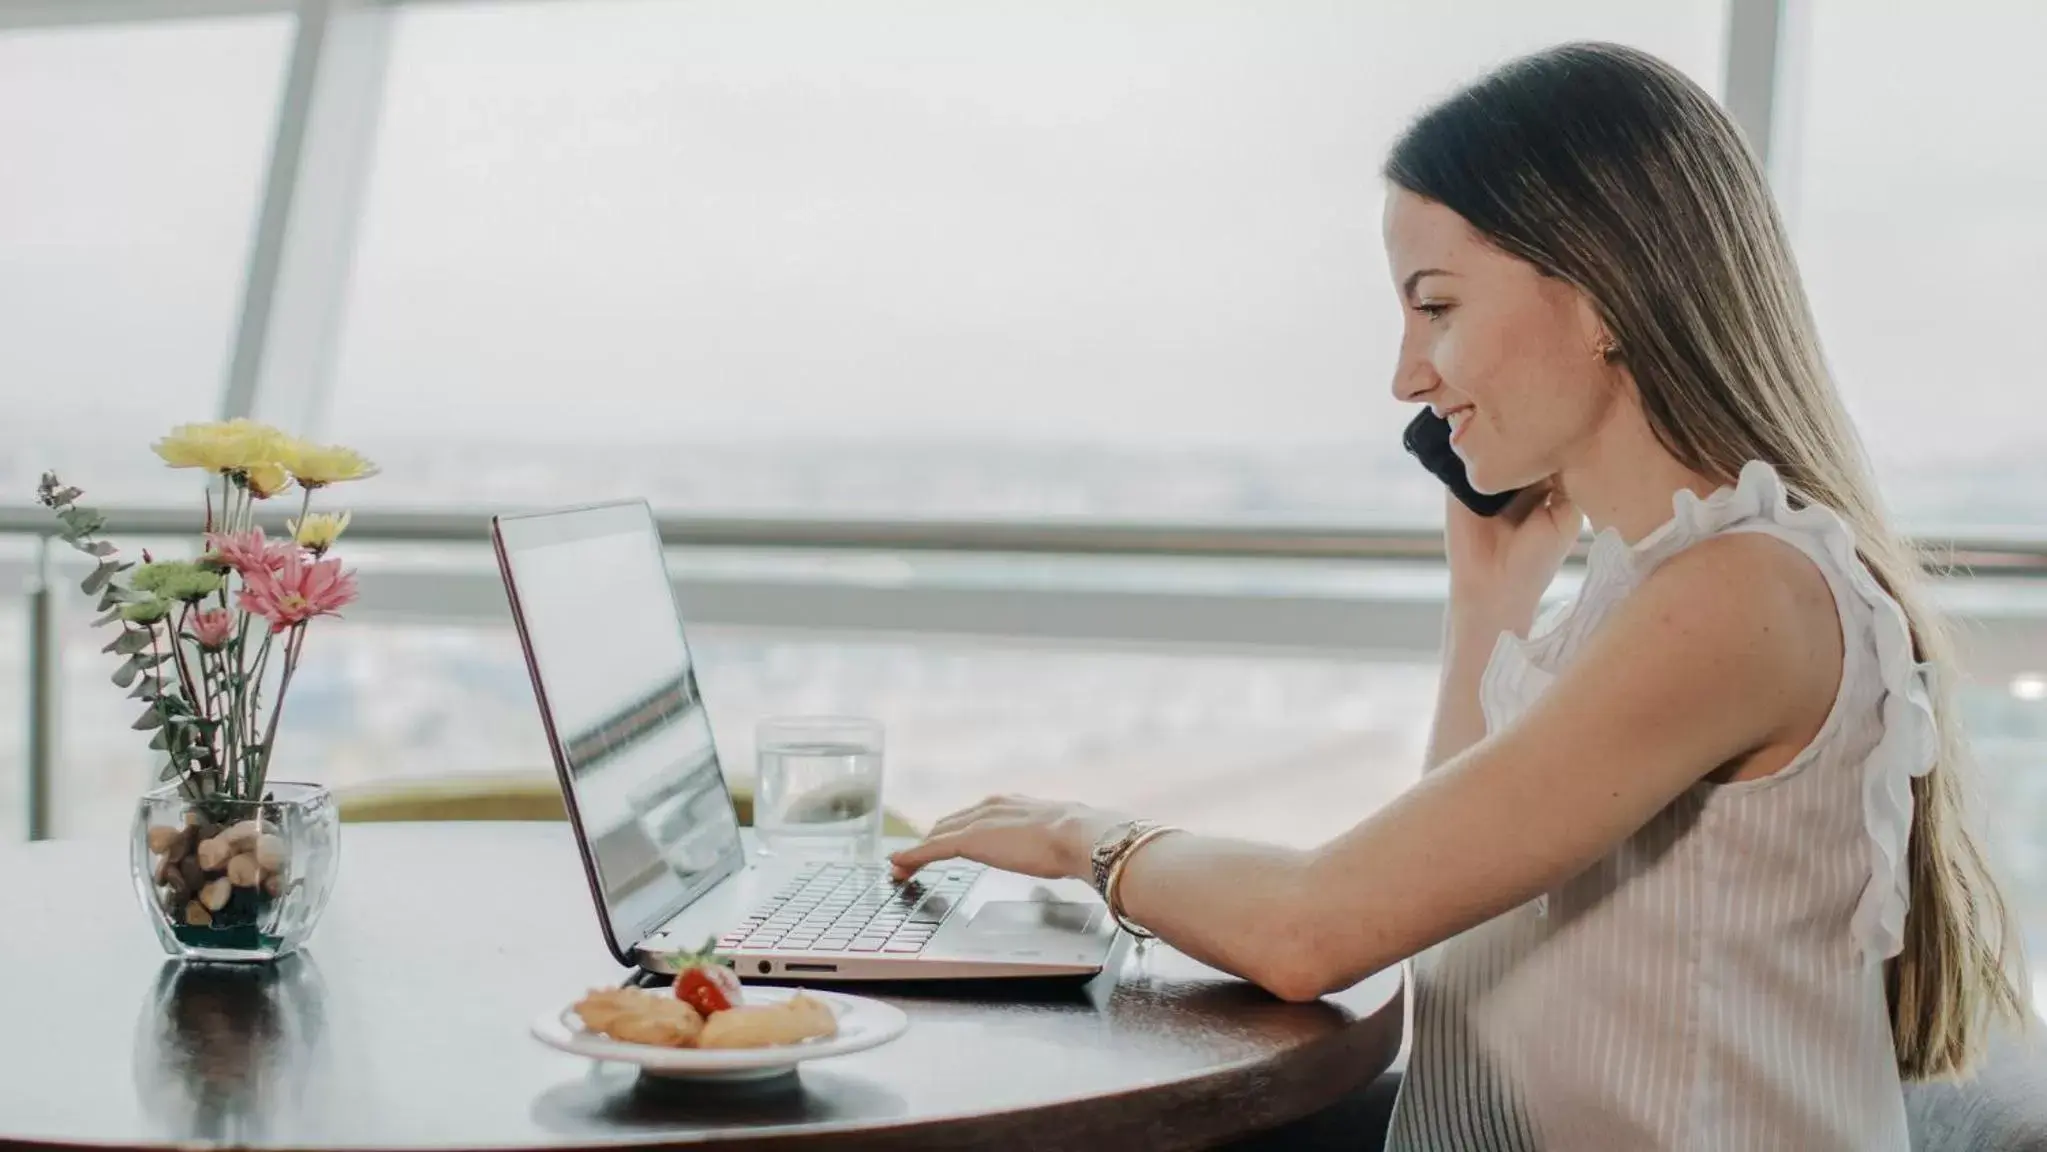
{"x": 318, "y": 465}
{"x": 233, "y": 446}
{"x": 319, "y": 531}
{"x": 266, "y": 479}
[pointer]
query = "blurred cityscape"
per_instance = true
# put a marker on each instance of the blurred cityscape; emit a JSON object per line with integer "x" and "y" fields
{"x": 1957, "y": 489}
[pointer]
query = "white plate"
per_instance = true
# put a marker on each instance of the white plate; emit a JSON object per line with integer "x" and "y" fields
{"x": 863, "y": 1024}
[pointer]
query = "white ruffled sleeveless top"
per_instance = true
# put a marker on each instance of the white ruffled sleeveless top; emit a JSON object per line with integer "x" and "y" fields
{"x": 1716, "y": 982}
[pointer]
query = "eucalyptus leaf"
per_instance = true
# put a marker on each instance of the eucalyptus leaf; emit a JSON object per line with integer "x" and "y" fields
{"x": 100, "y": 548}
{"x": 148, "y": 720}
{"x": 126, "y": 673}
{"x": 170, "y": 769}
{"x": 112, "y": 614}
{"x": 116, "y": 595}
{"x": 81, "y": 521}
{"x": 147, "y": 688}
{"x": 129, "y": 643}
{"x": 160, "y": 742}
{"x": 97, "y": 581}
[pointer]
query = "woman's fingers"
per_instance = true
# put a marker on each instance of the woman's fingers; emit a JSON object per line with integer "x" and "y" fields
{"x": 1009, "y": 832}
{"x": 964, "y": 815}
{"x": 1528, "y": 502}
{"x": 957, "y": 835}
{"x": 936, "y": 847}
{"x": 993, "y": 808}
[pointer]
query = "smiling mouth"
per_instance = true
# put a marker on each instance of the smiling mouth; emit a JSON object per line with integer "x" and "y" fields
{"x": 1459, "y": 419}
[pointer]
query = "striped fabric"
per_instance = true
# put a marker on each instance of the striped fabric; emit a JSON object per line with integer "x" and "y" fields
{"x": 1716, "y": 981}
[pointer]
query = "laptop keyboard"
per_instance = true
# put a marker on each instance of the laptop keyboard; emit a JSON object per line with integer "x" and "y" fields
{"x": 831, "y": 907}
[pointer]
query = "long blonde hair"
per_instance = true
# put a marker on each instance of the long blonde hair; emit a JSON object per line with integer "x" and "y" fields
{"x": 1609, "y": 169}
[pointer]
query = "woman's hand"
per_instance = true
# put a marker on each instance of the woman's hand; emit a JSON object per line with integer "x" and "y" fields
{"x": 1501, "y": 565}
{"x": 1014, "y": 833}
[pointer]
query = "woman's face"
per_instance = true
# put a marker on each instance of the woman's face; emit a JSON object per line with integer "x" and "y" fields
{"x": 1503, "y": 352}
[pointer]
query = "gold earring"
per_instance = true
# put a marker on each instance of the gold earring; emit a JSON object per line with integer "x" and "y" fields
{"x": 1606, "y": 349}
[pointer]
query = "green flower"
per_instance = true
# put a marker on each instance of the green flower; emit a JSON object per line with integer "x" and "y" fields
{"x": 177, "y": 580}
{"x": 151, "y": 577}
{"x": 145, "y": 611}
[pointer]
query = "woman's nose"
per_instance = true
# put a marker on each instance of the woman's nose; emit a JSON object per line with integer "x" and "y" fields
{"x": 1413, "y": 380}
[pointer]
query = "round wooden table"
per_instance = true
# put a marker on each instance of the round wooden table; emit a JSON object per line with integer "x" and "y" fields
{"x": 402, "y": 1024}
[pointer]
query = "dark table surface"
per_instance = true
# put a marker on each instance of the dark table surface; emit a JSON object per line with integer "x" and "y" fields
{"x": 402, "y": 1024}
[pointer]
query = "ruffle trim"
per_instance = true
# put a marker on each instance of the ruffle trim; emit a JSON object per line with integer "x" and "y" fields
{"x": 1910, "y": 744}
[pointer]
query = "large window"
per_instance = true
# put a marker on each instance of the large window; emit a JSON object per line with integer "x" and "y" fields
{"x": 132, "y": 158}
{"x": 1015, "y": 258}
{"x": 1915, "y": 171}
{"x": 909, "y": 256}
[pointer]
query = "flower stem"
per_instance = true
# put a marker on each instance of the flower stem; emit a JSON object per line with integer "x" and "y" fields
{"x": 193, "y": 688}
{"x": 252, "y": 711}
{"x": 239, "y": 726}
{"x": 292, "y": 646}
{"x": 184, "y": 778}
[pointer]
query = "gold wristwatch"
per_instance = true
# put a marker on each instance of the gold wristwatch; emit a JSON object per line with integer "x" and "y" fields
{"x": 1111, "y": 845}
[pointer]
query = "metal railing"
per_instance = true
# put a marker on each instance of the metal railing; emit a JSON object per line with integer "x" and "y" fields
{"x": 1982, "y": 556}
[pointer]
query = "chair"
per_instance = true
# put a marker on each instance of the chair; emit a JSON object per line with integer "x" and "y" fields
{"x": 2003, "y": 1108}
{"x": 503, "y": 796}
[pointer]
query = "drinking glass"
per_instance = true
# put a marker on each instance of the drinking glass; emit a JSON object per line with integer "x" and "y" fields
{"x": 817, "y": 789}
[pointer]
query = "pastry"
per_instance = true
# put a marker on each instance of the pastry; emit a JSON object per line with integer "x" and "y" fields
{"x": 640, "y": 1017}
{"x": 792, "y": 1021}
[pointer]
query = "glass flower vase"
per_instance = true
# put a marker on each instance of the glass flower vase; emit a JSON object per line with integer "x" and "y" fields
{"x": 234, "y": 880}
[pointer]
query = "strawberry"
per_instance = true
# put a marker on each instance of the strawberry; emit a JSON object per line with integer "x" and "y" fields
{"x": 705, "y": 982}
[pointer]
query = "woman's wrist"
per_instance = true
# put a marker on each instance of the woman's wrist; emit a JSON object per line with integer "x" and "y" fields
{"x": 1480, "y": 620}
{"x": 1082, "y": 836}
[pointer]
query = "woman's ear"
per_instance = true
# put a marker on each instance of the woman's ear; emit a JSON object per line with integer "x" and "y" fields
{"x": 1594, "y": 335}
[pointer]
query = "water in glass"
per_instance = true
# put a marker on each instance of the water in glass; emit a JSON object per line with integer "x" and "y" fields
{"x": 818, "y": 792}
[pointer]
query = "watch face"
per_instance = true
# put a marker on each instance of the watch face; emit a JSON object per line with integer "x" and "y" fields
{"x": 1112, "y": 842}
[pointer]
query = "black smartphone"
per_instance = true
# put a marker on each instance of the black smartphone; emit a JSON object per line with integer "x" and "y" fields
{"x": 1427, "y": 439}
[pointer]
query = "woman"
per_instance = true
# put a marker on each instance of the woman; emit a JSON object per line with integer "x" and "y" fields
{"x": 1686, "y": 866}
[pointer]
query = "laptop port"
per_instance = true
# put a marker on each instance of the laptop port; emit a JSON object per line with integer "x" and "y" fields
{"x": 810, "y": 967}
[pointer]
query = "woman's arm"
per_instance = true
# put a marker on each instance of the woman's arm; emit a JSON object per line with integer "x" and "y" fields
{"x": 1499, "y": 568}
{"x": 1459, "y": 721}
{"x": 1719, "y": 654}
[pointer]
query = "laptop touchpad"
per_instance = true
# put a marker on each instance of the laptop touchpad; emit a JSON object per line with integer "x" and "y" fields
{"x": 1032, "y": 917}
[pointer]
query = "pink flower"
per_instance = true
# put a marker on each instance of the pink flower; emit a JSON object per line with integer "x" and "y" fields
{"x": 248, "y": 552}
{"x": 298, "y": 591}
{"x": 212, "y": 628}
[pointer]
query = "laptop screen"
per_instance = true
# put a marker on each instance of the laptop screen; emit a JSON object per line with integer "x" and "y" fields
{"x": 605, "y": 642}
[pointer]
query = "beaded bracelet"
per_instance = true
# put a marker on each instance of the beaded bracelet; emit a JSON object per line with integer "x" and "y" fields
{"x": 1115, "y": 885}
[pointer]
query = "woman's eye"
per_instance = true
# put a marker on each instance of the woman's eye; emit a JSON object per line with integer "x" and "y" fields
{"x": 1432, "y": 311}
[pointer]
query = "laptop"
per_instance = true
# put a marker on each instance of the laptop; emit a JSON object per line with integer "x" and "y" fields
{"x": 668, "y": 865}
